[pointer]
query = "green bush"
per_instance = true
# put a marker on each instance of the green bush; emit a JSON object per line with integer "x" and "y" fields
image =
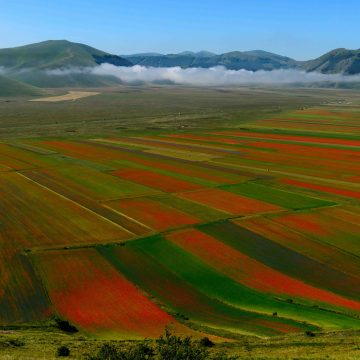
{"x": 63, "y": 351}
{"x": 172, "y": 347}
{"x": 111, "y": 352}
{"x": 65, "y": 326}
{"x": 167, "y": 347}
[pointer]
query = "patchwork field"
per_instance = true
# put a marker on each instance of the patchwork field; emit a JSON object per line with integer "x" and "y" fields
{"x": 226, "y": 232}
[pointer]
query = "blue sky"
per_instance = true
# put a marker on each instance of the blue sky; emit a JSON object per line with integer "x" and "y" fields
{"x": 301, "y": 29}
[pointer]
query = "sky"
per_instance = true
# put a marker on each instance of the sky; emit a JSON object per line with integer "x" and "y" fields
{"x": 301, "y": 29}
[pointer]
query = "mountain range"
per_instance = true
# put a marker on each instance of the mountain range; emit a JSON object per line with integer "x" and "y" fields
{"x": 35, "y": 64}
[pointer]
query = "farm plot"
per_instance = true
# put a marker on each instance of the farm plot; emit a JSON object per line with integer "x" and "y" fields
{"x": 202, "y": 212}
{"x": 250, "y": 272}
{"x": 303, "y": 244}
{"x": 229, "y": 202}
{"x": 143, "y": 263}
{"x": 325, "y": 228}
{"x": 275, "y": 196}
{"x": 22, "y": 296}
{"x": 153, "y": 214}
{"x": 35, "y": 216}
{"x": 95, "y": 184}
{"x": 90, "y": 293}
{"x": 292, "y": 138}
{"x": 155, "y": 180}
{"x": 323, "y": 188}
{"x": 284, "y": 260}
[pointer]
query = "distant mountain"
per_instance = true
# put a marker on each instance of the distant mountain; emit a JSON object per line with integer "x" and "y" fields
{"x": 250, "y": 60}
{"x": 336, "y": 61}
{"x": 11, "y": 87}
{"x": 56, "y": 54}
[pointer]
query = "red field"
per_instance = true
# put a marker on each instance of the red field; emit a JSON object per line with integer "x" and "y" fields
{"x": 152, "y": 213}
{"x": 323, "y": 188}
{"x": 326, "y": 228}
{"x": 91, "y": 294}
{"x": 231, "y": 203}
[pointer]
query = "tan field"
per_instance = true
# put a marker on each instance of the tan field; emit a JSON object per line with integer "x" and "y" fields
{"x": 72, "y": 95}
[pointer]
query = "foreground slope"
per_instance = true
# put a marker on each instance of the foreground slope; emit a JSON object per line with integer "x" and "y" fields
{"x": 12, "y": 88}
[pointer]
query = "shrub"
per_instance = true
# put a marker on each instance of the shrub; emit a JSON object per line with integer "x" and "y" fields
{"x": 172, "y": 347}
{"x": 111, "y": 352}
{"x": 168, "y": 347}
{"x": 16, "y": 343}
{"x": 206, "y": 342}
{"x": 63, "y": 351}
{"x": 65, "y": 326}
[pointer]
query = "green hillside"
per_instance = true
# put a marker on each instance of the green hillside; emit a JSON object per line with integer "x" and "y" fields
{"x": 11, "y": 87}
{"x": 46, "y": 80}
{"x": 55, "y": 54}
{"x": 336, "y": 61}
{"x": 236, "y": 60}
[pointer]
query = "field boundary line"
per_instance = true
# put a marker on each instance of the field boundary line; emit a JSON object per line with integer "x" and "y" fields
{"x": 335, "y": 182}
{"x": 126, "y": 216}
{"x": 76, "y": 203}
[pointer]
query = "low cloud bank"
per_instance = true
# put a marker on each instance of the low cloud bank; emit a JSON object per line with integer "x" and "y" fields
{"x": 216, "y": 76}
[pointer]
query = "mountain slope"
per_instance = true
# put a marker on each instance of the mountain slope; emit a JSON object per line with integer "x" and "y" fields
{"x": 55, "y": 54}
{"x": 236, "y": 60}
{"x": 11, "y": 87}
{"x": 336, "y": 61}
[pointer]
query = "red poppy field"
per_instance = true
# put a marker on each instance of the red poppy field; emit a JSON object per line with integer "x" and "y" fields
{"x": 253, "y": 230}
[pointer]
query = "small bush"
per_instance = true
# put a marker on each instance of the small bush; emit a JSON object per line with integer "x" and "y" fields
{"x": 111, "y": 352}
{"x": 16, "y": 343}
{"x": 172, "y": 347}
{"x": 65, "y": 326}
{"x": 206, "y": 342}
{"x": 63, "y": 351}
{"x": 167, "y": 347}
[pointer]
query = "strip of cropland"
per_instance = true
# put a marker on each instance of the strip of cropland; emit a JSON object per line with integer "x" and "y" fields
{"x": 167, "y": 259}
{"x": 88, "y": 291}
